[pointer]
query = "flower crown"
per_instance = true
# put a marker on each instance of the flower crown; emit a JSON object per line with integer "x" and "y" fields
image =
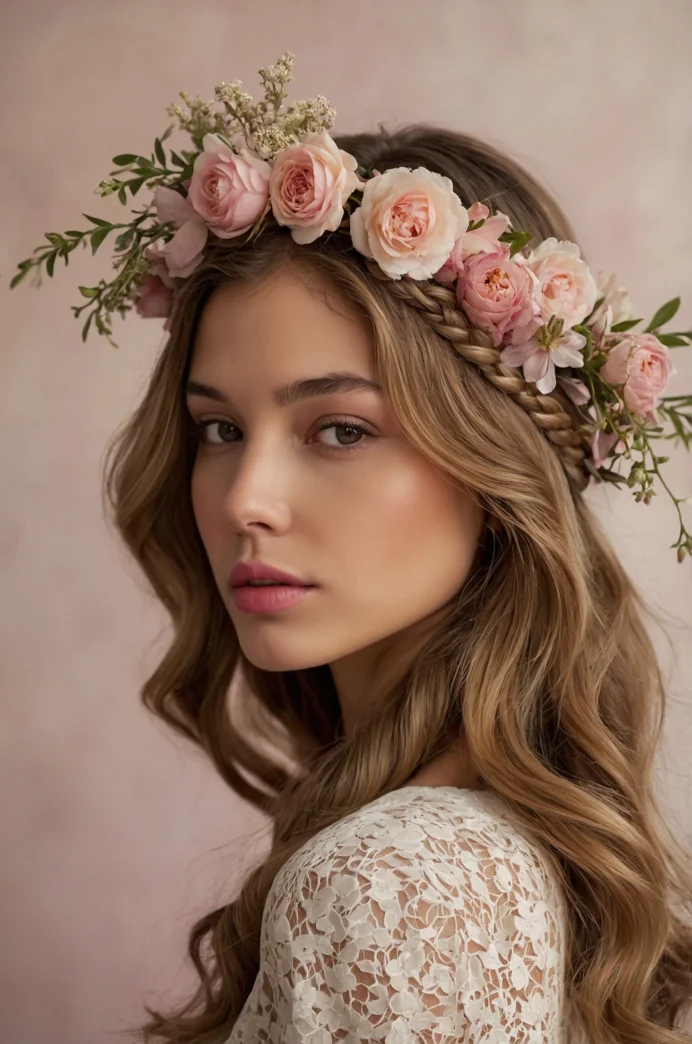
{"x": 255, "y": 162}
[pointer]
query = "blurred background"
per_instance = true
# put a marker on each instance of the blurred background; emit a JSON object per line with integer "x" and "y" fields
{"x": 115, "y": 835}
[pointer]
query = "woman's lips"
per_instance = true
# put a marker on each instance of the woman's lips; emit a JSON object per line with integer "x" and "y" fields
{"x": 269, "y": 598}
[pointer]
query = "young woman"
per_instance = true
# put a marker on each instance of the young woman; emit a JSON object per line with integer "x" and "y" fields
{"x": 451, "y": 659}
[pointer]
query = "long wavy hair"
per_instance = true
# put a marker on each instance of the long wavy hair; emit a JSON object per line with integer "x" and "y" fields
{"x": 545, "y": 661}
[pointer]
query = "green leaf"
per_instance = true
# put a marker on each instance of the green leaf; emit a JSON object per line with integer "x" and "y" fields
{"x": 671, "y": 340}
{"x": 520, "y": 241}
{"x": 97, "y": 238}
{"x": 50, "y": 263}
{"x": 18, "y": 278}
{"x": 626, "y": 324}
{"x": 177, "y": 160}
{"x": 124, "y": 158}
{"x": 74, "y": 235}
{"x": 122, "y": 194}
{"x": 136, "y": 184}
{"x": 98, "y": 221}
{"x": 85, "y": 328}
{"x": 53, "y": 238}
{"x": 124, "y": 240}
{"x": 677, "y": 423}
{"x": 664, "y": 314}
{"x": 168, "y": 131}
{"x": 145, "y": 167}
{"x": 160, "y": 154}
{"x": 89, "y": 291}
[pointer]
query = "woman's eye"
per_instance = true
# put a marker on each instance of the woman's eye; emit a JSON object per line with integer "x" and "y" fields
{"x": 201, "y": 431}
{"x": 352, "y": 430}
{"x": 349, "y": 430}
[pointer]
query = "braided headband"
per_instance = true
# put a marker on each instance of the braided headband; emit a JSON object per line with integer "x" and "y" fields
{"x": 517, "y": 318}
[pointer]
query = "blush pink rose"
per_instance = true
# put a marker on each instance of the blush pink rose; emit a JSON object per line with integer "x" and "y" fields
{"x": 642, "y": 366}
{"x": 309, "y": 185}
{"x": 567, "y": 288}
{"x": 408, "y": 221}
{"x": 155, "y": 299}
{"x": 229, "y": 191}
{"x": 185, "y": 250}
{"x": 499, "y": 295}
{"x": 483, "y": 240}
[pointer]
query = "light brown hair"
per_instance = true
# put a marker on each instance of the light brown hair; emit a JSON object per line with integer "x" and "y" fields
{"x": 545, "y": 660}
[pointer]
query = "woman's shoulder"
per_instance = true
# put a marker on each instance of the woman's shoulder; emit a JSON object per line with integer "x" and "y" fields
{"x": 469, "y": 840}
{"x": 428, "y": 907}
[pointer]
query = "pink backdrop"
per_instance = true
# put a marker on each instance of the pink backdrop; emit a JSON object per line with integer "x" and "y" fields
{"x": 116, "y": 836}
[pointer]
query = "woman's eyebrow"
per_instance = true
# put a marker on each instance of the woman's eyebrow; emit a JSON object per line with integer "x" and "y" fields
{"x": 309, "y": 387}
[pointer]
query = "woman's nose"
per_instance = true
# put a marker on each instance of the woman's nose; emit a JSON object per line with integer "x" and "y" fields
{"x": 257, "y": 492}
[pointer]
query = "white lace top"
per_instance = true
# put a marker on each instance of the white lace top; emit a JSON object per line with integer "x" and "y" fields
{"x": 426, "y": 915}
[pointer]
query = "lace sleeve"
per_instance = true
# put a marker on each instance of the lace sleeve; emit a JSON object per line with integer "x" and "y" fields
{"x": 413, "y": 930}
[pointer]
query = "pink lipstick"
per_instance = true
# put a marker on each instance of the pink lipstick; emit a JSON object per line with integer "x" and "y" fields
{"x": 280, "y": 590}
{"x": 268, "y": 599}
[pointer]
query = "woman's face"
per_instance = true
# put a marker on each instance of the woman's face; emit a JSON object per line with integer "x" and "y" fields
{"x": 383, "y": 535}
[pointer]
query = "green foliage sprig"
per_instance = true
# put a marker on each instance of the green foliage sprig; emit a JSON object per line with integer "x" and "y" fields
{"x": 637, "y": 433}
{"x": 119, "y": 294}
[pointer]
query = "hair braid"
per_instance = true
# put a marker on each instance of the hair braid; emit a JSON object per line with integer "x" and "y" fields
{"x": 554, "y": 414}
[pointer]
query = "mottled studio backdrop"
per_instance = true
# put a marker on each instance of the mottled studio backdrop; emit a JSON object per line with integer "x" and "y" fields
{"x": 114, "y": 835}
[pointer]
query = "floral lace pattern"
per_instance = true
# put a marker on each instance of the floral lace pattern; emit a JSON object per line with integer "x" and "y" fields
{"x": 426, "y": 915}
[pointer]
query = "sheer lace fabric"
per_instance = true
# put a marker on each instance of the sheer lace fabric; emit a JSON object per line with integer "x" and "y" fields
{"x": 426, "y": 915}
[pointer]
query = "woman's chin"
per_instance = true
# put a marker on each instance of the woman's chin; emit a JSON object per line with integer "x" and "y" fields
{"x": 268, "y": 656}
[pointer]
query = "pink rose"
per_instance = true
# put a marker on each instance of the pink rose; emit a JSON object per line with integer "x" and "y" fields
{"x": 229, "y": 191}
{"x": 309, "y": 185}
{"x": 155, "y": 299}
{"x": 567, "y": 288}
{"x": 499, "y": 295}
{"x": 643, "y": 366}
{"x": 184, "y": 251}
{"x": 483, "y": 240}
{"x": 408, "y": 222}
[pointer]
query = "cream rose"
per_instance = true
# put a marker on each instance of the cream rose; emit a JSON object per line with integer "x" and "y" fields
{"x": 309, "y": 184}
{"x": 408, "y": 222}
{"x": 567, "y": 288}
